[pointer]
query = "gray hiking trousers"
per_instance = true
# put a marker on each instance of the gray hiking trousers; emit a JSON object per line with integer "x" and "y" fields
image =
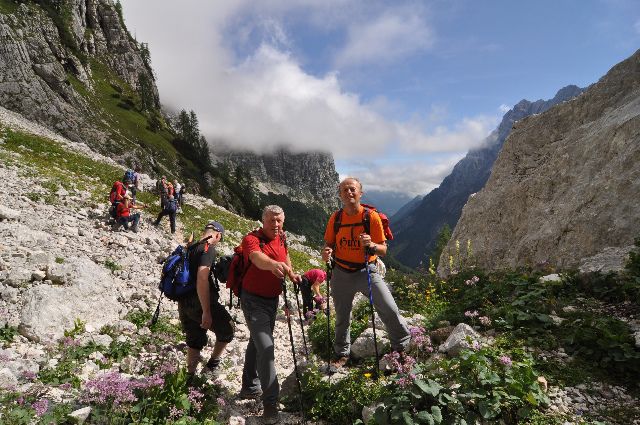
{"x": 259, "y": 368}
{"x": 344, "y": 286}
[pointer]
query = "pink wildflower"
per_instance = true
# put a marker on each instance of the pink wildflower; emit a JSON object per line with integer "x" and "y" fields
{"x": 30, "y": 375}
{"x": 41, "y": 406}
{"x": 475, "y": 345}
{"x": 175, "y": 413}
{"x": 195, "y": 397}
{"x": 221, "y": 402}
{"x": 471, "y": 314}
{"x": 485, "y": 320}
{"x": 506, "y": 360}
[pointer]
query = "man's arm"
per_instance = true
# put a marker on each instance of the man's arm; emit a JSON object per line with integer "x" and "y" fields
{"x": 202, "y": 286}
{"x": 264, "y": 262}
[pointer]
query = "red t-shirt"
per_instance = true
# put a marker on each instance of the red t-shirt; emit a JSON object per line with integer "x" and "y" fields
{"x": 315, "y": 275}
{"x": 122, "y": 211}
{"x": 262, "y": 282}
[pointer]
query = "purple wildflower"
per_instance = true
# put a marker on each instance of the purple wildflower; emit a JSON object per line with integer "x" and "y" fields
{"x": 475, "y": 345}
{"x": 41, "y": 406}
{"x": 471, "y": 314}
{"x": 221, "y": 402}
{"x": 175, "y": 413}
{"x": 485, "y": 320}
{"x": 30, "y": 375}
{"x": 506, "y": 360}
{"x": 110, "y": 388}
{"x": 20, "y": 400}
{"x": 195, "y": 397}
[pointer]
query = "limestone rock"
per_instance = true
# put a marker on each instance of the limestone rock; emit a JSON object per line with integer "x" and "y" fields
{"x": 88, "y": 295}
{"x": 363, "y": 347}
{"x": 459, "y": 339}
{"x": 8, "y": 214}
{"x": 80, "y": 416}
{"x": 565, "y": 185}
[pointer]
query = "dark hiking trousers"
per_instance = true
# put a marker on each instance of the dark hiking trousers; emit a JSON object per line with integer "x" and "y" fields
{"x": 259, "y": 370}
{"x": 172, "y": 219}
{"x": 307, "y": 296}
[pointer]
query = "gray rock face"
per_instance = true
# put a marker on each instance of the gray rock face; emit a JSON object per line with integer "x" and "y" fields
{"x": 37, "y": 65}
{"x": 416, "y": 228}
{"x": 459, "y": 339}
{"x": 566, "y": 183}
{"x": 363, "y": 347}
{"x": 305, "y": 176}
{"x": 87, "y": 295}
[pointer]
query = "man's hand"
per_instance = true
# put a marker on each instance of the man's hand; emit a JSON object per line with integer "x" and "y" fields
{"x": 326, "y": 254}
{"x": 295, "y": 278}
{"x": 206, "y": 320}
{"x": 279, "y": 270}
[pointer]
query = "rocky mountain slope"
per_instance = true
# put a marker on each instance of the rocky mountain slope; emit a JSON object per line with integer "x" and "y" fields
{"x": 416, "y": 231}
{"x": 563, "y": 190}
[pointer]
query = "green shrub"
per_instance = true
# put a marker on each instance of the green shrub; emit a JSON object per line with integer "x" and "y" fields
{"x": 318, "y": 334}
{"x": 7, "y": 333}
{"x": 489, "y": 386}
{"x": 340, "y": 402}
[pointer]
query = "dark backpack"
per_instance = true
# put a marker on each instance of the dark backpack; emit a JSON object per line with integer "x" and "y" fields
{"x": 237, "y": 266}
{"x": 366, "y": 221}
{"x": 171, "y": 206}
{"x": 221, "y": 268}
{"x": 175, "y": 281}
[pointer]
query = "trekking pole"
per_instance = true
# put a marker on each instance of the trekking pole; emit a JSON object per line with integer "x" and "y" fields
{"x": 328, "y": 311}
{"x": 373, "y": 314}
{"x": 296, "y": 290}
{"x": 293, "y": 349}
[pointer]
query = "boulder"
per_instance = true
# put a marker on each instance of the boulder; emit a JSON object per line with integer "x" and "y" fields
{"x": 363, "y": 347}
{"x": 459, "y": 339}
{"x": 7, "y": 213}
{"x": 88, "y": 295}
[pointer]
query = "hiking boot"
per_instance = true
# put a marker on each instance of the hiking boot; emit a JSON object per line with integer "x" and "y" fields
{"x": 270, "y": 414}
{"x": 134, "y": 228}
{"x": 116, "y": 226}
{"x": 210, "y": 370}
{"x": 337, "y": 364}
{"x": 250, "y": 394}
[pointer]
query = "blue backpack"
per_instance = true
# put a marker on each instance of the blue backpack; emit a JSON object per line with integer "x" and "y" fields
{"x": 175, "y": 282}
{"x": 129, "y": 175}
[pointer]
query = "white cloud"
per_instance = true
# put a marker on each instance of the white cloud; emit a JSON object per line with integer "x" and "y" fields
{"x": 393, "y": 35}
{"x": 465, "y": 134}
{"x": 266, "y": 99}
{"x": 415, "y": 177}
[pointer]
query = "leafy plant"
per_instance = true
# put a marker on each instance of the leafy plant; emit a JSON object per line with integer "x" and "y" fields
{"x": 112, "y": 265}
{"x": 318, "y": 334}
{"x": 341, "y": 402}
{"x": 78, "y": 329}
{"x": 7, "y": 333}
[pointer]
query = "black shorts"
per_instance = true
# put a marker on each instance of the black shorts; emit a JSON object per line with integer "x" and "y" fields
{"x": 190, "y": 313}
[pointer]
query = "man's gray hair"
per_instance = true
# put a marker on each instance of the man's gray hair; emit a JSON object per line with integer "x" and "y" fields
{"x": 357, "y": 180}
{"x": 272, "y": 209}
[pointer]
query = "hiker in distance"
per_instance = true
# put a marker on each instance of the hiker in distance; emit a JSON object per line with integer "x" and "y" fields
{"x": 170, "y": 208}
{"x": 270, "y": 264}
{"x": 124, "y": 215}
{"x": 347, "y": 245}
{"x": 310, "y": 288}
{"x": 201, "y": 310}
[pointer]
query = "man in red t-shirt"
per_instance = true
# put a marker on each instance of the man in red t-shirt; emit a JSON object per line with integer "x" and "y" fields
{"x": 124, "y": 216}
{"x": 261, "y": 287}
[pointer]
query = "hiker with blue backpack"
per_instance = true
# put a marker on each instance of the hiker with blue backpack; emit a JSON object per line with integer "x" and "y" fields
{"x": 200, "y": 310}
{"x": 170, "y": 209}
{"x": 354, "y": 238}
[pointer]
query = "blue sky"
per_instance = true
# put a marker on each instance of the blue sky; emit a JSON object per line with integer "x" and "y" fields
{"x": 398, "y": 91}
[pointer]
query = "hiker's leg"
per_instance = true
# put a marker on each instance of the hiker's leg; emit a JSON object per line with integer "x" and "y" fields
{"x": 193, "y": 357}
{"x": 155, "y": 223}
{"x": 342, "y": 292}
{"x": 260, "y": 315}
{"x": 172, "y": 220}
{"x": 307, "y": 298}
{"x": 387, "y": 309}
{"x": 222, "y": 326}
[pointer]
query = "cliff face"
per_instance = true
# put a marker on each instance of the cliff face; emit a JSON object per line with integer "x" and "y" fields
{"x": 48, "y": 54}
{"x": 565, "y": 186}
{"x": 308, "y": 177}
{"x": 416, "y": 231}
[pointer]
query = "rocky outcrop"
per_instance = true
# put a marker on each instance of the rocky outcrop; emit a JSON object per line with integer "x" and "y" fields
{"x": 44, "y": 62}
{"x": 565, "y": 185}
{"x": 416, "y": 231}
{"x": 307, "y": 176}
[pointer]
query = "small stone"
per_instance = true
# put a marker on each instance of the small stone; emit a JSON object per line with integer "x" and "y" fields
{"x": 80, "y": 416}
